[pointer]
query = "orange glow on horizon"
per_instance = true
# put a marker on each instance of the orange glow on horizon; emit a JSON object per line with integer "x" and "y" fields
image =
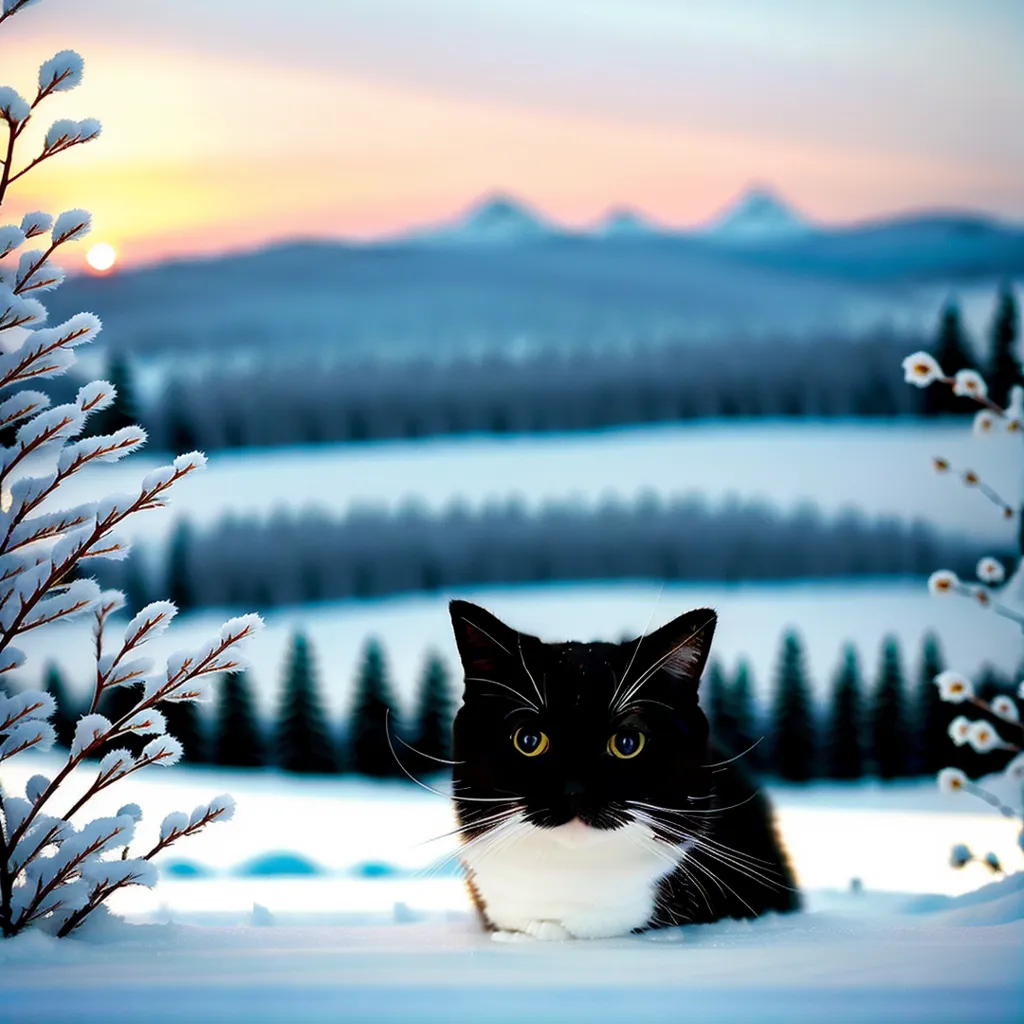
{"x": 198, "y": 156}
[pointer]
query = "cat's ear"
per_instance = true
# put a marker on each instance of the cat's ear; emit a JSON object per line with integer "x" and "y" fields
{"x": 484, "y": 641}
{"x": 680, "y": 648}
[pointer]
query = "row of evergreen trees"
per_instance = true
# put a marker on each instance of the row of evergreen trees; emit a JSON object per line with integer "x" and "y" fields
{"x": 271, "y": 405}
{"x": 308, "y": 556}
{"x": 891, "y": 729}
{"x": 955, "y": 352}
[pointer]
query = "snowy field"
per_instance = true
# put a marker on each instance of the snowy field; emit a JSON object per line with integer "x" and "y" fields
{"x": 374, "y": 934}
{"x": 881, "y": 468}
{"x": 751, "y": 621}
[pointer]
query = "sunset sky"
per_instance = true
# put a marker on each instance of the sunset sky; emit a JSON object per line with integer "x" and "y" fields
{"x": 236, "y": 122}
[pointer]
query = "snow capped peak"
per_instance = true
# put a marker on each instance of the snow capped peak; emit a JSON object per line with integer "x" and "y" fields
{"x": 759, "y": 215}
{"x": 624, "y": 222}
{"x": 497, "y": 219}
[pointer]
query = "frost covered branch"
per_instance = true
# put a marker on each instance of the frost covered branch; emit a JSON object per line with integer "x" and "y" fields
{"x": 1001, "y": 729}
{"x": 52, "y": 872}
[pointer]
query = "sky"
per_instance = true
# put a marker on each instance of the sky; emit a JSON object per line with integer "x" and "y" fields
{"x": 231, "y": 123}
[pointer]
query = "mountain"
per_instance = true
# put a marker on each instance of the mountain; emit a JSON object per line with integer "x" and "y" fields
{"x": 623, "y": 222}
{"x": 497, "y": 219}
{"x": 758, "y": 216}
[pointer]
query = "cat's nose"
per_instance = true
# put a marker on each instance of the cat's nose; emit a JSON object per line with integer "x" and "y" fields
{"x": 574, "y": 789}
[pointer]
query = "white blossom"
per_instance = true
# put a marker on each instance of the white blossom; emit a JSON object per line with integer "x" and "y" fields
{"x": 1005, "y": 708}
{"x": 35, "y": 787}
{"x": 16, "y": 811}
{"x": 14, "y": 108}
{"x": 133, "y": 870}
{"x": 943, "y": 582}
{"x": 951, "y": 780}
{"x": 958, "y": 730}
{"x": 150, "y": 622}
{"x": 134, "y": 811}
{"x": 35, "y": 223}
{"x": 71, "y": 224}
{"x": 191, "y": 461}
{"x": 29, "y": 705}
{"x": 63, "y": 71}
{"x": 146, "y": 723}
{"x": 176, "y": 821}
{"x": 33, "y": 734}
{"x": 1015, "y": 769}
{"x": 990, "y": 570}
{"x": 11, "y": 658}
{"x": 985, "y": 423}
{"x": 983, "y": 737}
{"x": 164, "y": 750}
{"x": 115, "y": 764}
{"x": 954, "y": 687}
{"x": 89, "y": 729}
{"x": 10, "y": 238}
{"x": 969, "y": 384}
{"x": 64, "y": 133}
{"x": 921, "y": 369}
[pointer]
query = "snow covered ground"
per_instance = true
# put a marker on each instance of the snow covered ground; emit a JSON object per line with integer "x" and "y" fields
{"x": 751, "y": 621}
{"x": 371, "y": 938}
{"x": 880, "y": 468}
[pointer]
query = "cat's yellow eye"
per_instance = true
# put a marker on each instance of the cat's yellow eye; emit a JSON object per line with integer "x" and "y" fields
{"x": 530, "y": 742}
{"x": 626, "y": 743}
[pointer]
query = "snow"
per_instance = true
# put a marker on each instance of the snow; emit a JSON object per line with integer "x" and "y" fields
{"x": 880, "y": 468}
{"x": 358, "y": 932}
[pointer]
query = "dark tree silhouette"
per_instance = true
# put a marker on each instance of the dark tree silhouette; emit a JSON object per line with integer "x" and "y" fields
{"x": 743, "y": 709}
{"x": 933, "y": 749}
{"x": 67, "y": 712}
{"x": 372, "y": 717}
{"x": 303, "y": 742}
{"x": 432, "y": 735}
{"x": 953, "y": 352}
{"x": 237, "y": 741}
{"x": 793, "y": 753}
{"x": 185, "y": 722}
{"x": 844, "y": 753}
{"x": 180, "y": 583}
{"x": 1004, "y": 370}
{"x": 123, "y": 411}
{"x": 179, "y": 429}
{"x": 889, "y": 733}
{"x": 715, "y": 700}
{"x": 114, "y": 704}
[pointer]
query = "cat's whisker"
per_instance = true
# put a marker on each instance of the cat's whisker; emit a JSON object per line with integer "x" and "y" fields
{"x": 636, "y": 650}
{"x": 694, "y": 862}
{"x": 522, "y": 658}
{"x": 735, "y": 865}
{"x": 469, "y": 826}
{"x": 511, "y": 689}
{"x": 693, "y": 814}
{"x": 721, "y": 764}
{"x": 423, "y": 785}
{"x": 429, "y": 757}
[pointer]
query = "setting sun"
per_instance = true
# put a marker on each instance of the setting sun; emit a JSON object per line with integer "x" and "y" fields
{"x": 101, "y": 257}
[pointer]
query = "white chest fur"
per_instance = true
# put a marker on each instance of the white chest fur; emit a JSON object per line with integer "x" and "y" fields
{"x": 571, "y": 881}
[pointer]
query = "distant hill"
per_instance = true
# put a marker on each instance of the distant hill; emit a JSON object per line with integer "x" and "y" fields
{"x": 503, "y": 278}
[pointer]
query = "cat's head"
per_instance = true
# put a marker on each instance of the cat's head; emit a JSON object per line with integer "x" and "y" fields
{"x": 584, "y": 731}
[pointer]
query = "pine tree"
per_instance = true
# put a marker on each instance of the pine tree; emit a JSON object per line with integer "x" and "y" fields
{"x": 237, "y": 742}
{"x": 184, "y": 722}
{"x": 115, "y": 703}
{"x": 372, "y": 717}
{"x": 303, "y": 742}
{"x": 745, "y": 719}
{"x": 179, "y": 567}
{"x": 432, "y": 736}
{"x": 844, "y": 752}
{"x": 889, "y": 733}
{"x": 793, "y": 739}
{"x": 953, "y": 352}
{"x": 67, "y": 712}
{"x": 715, "y": 699}
{"x": 178, "y": 427}
{"x": 123, "y": 411}
{"x": 932, "y": 747}
{"x": 1004, "y": 368}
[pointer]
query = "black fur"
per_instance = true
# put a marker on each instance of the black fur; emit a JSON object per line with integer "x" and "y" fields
{"x": 574, "y": 693}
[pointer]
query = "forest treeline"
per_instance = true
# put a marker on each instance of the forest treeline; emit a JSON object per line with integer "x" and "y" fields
{"x": 292, "y": 403}
{"x": 884, "y": 720}
{"x": 299, "y": 557}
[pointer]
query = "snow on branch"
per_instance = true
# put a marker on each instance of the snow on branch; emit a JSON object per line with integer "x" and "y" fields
{"x": 54, "y": 872}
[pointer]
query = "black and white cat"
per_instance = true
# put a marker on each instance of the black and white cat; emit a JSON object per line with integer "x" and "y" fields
{"x": 590, "y": 801}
